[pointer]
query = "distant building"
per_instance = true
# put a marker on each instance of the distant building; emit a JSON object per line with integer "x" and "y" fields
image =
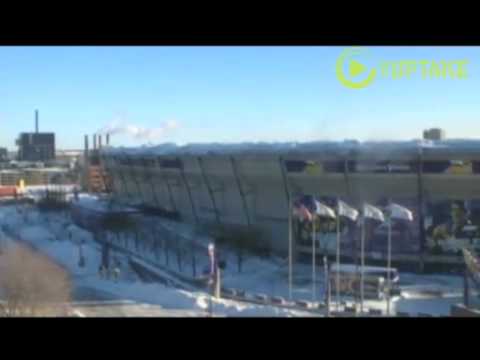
{"x": 434, "y": 134}
{"x": 36, "y": 146}
{"x": 34, "y": 176}
{"x": 3, "y": 154}
{"x": 10, "y": 177}
{"x": 68, "y": 158}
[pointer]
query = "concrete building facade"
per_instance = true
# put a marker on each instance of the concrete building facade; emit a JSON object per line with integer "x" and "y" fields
{"x": 254, "y": 189}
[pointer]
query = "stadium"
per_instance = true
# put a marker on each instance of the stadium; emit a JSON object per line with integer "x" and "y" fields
{"x": 250, "y": 185}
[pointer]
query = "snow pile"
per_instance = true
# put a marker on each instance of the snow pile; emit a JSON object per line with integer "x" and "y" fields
{"x": 95, "y": 203}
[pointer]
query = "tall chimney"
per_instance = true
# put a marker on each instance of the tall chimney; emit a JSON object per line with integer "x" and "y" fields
{"x": 86, "y": 144}
{"x": 107, "y": 139}
{"x": 86, "y": 166}
{"x": 36, "y": 121}
{"x": 94, "y": 141}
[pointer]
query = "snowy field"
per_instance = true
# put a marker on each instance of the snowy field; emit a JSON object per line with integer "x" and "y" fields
{"x": 56, "y": 236}
{"x": 49, "y": 234}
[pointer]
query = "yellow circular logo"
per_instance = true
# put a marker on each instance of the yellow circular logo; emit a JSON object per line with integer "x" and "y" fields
{"x": 354, "y": 69}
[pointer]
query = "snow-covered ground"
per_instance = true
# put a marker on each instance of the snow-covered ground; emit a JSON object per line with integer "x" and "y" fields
{"x": 429, "y": 294}
{"x": 49, "y": 234}
{"x": 55, "y": 235}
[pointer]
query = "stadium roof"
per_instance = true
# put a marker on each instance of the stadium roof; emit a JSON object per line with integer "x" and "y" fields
{"x": 461, "y": 149}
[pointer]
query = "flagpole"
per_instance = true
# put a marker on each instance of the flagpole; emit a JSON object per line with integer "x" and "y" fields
{"x": 362, "y": 259}
{"x": 337, "y": 290}
{"x": 313, "y": 258}
{"x": 327, "y": 284}
{"x": 389, "y": 263}
{"x": 290, "y": 249}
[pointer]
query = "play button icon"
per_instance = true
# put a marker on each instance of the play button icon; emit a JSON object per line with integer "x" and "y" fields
{"x": 355, "y": 68}
{"x": 348, "y": 70}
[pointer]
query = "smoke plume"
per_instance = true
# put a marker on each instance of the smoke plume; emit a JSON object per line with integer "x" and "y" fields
{"x": 138, "y": 132}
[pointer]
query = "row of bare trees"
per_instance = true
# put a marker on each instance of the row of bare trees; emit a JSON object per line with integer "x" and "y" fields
{"x": 242, "y": 241}
{"x": 157, "y": 239}
{"x": 165, "y": 245}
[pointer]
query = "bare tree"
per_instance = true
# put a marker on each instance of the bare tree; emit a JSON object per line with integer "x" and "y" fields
{"x": 243, "y": 241}
{"x": 31, "y": 284}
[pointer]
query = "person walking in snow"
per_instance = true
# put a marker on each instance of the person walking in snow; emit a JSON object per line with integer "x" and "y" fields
{"x": 116, "y": 273}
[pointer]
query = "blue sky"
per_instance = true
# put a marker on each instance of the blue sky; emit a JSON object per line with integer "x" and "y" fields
{"x": 228, "y": 94}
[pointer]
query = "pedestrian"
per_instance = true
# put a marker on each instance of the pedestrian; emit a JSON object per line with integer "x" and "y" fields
{"x": 116, "y": 273}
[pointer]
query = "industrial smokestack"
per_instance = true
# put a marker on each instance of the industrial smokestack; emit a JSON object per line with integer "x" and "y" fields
{"x": 86, "y": 146}
{"x": 85, "y": 181}
{"x": 36, "y": 121}
{"x": 107, "y": 139}
{"x": 94, "y": 141}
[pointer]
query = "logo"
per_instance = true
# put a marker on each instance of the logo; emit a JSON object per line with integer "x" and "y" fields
{"x": 355, "y": 68}
{"x": 394, "y": 70}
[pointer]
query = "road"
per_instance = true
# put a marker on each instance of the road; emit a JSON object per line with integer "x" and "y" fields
{"x": 90, "y": 302}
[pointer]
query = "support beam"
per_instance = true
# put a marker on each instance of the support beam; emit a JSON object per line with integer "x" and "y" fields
{"x": 291, "y": 237}
{"x": 240, "y": 190}
{"x": 122, "y": 177}
{"x": 101, "y": 163}
{"x": 286, "y": 184}
{"x": 167, "y": 184}
{"x": 348, "y": 184}
{"x": 209, "y": 189}
{"x": 149, "y": 175}
{"x": 346, "y": 175}
{"x": 184, "y": 178}
{"x": 421, "y": 205}
{"x": 135, "y": 179}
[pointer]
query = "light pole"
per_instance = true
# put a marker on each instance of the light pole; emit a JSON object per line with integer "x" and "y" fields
{"x": 362, "y": 265}
{"x": 290, "y": 249}
{"x": 313, "y": 260}
{"x": 389, "y": 262}
{"x": 337, "y": 275}
{"x": 327, "y": 284}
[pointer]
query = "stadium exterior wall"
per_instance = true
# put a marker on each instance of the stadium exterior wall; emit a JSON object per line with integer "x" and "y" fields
{"x": 251, "y": 189}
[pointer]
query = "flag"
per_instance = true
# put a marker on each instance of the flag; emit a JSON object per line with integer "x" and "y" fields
{"x": 309, "y": 202}
{"x": 346, "y": 211}
{"x": 324, "y": 210}
{"x": 372, "y": 212}
{"x": 300, "y": 210}
{"x": 315, "y": 207}
{"x": 399, "y": 212}
{"x": 307, "y": 206}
